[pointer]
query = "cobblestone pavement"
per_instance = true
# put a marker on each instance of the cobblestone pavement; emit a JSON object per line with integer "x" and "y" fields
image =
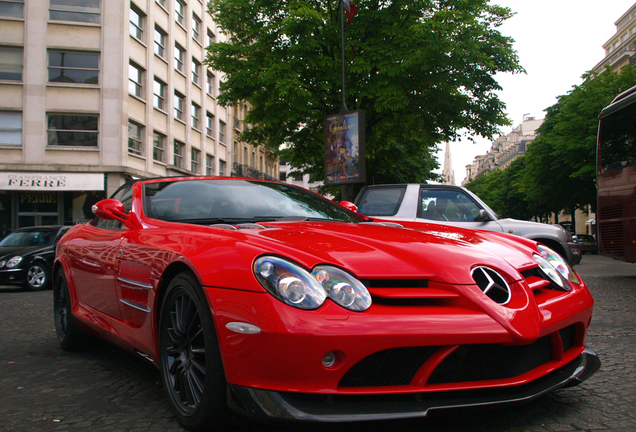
{"x": 43, "y": 388}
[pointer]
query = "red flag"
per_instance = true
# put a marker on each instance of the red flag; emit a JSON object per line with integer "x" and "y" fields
{"x": 350, "y": 9}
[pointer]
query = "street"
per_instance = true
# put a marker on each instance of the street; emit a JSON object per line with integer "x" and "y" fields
{"x": 102, "y": 388}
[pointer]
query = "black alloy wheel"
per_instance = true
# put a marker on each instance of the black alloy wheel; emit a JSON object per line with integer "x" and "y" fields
{"x": 191, "y": 368}
{"x": 69, "y": 334}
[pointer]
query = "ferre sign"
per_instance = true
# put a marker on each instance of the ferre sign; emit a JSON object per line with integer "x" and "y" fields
{"x": 51, "y": 181}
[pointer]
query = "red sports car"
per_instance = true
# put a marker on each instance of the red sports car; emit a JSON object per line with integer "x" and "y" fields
{"x": 273, "y": 302}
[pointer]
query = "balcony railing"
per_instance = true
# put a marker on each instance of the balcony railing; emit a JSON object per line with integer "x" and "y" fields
{"x": 246, "y": 171}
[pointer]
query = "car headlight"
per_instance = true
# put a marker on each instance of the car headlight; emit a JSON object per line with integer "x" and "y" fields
{"x": 289, "y": 283}
{"x": 12, "y": 262}
{"x": 343, "y": 288}
{"x": 556, "y": 268}
{"x": 1, "y": 263}
{"x": 296, "y": 287}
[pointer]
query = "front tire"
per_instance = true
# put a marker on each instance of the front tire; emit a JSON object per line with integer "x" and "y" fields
{"x": 69, "y": 334}
{"x": 37, "y": 277}
{"x": 191, "y": 368}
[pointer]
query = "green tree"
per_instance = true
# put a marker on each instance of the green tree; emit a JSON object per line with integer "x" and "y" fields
{"x": 561, "y": 163}
{"x": 421, "y": 69}
{"x": 502, "y": 191}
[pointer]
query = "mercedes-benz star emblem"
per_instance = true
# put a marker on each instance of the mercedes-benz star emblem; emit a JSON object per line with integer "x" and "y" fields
{"x": 492, "y": 284}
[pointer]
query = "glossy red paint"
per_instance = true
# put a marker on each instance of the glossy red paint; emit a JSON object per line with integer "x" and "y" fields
{"x": 118, "y": 275}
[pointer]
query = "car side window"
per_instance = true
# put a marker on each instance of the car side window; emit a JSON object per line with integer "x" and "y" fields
{"x": 445, "y": 205}
{"x": 124, "y": 195}
{"x": 384, "y": 201}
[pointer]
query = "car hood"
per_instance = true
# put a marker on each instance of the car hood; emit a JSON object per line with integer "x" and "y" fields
{"x": 528, "y": 228}
{"x": 8, "y": 252}
{"x": 376, "y": 251}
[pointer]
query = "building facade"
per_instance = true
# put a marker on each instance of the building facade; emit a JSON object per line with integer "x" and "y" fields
{"x": 504, "y": 149}
{"x": 620, "y": 49}
{"x": 97, "y": 92}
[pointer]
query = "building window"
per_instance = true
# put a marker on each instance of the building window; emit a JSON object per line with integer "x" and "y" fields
{"x": 211, "y": 37}
{"x": 136, "y": 23}
{"x": 222, "y": 132}
{"x": 77, "y": 130}
{"x": 159, "y": 96}
{"x": 196, "y": 28}
{"x": 179, "y": 10}
{"x": 158, "y": 147}
{"x": 196, "y": 71}
{"x": 160, "y": 42}
{"x": 195, "y": 160}
{"x": 73, "y": 67}
{"x": 221, "y": 167}
{"x": 209, "y": 165}
{"x": 210, "y": 84}
{"x": 12, "y": 8}
{"x": 11, "y": 64}
{"x": 179, "y": 54}
{"x": 209, "y": 125}
{"x": 196, "y": 115}
{"x": 10, "y": 128}
{"x": 86, "y": 11}
{"x": 135, "y": 76}
{"x": 161, "y": 2}
{"x": 179, "y": 149}
{"x": 135, "y": 131}
{"x": 178, "y": 105}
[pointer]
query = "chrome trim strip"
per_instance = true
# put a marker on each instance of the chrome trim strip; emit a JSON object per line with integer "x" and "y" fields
{"x": 135, "y": 305}
{"x": 134, "y": 283}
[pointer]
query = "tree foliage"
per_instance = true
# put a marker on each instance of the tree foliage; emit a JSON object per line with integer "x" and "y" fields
{"x": 421, "y": 69}
{"x": 558, "y": 172}
{"x": 561, "y": 167}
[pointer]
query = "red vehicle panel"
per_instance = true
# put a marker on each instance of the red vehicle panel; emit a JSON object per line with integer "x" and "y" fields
{"x": 269, "y": 300}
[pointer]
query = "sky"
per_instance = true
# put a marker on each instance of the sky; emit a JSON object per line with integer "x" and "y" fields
{"x": 557, "y": 41}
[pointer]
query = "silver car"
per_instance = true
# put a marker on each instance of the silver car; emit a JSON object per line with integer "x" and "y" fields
{"x": 454, "y": 205}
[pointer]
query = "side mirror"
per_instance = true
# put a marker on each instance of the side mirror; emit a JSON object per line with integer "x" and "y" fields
{"x": 111, "y": 209}
{"x": 354, "y": 208}
{"x": 484, "y": 216}
{"x": 349, "y": 206}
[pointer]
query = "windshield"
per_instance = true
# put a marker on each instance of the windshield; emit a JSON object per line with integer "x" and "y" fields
{"x": 29, "y": 238}
{"x": 237, "y": 201}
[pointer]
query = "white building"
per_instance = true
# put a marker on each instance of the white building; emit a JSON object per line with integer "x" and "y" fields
{"x": 96, "y": 92}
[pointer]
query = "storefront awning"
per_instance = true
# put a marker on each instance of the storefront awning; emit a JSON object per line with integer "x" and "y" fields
{"x": 35, "y": 181}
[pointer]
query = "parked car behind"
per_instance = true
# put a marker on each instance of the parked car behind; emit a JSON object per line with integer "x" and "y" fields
{"x": 588, "y": 243}
{"x": 455, "y": 205}
{"x": 26, "y": 256}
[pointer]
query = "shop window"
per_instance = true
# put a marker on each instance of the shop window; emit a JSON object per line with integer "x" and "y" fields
{"x": 73, "y": 67}
{"x": 77, "y": 130}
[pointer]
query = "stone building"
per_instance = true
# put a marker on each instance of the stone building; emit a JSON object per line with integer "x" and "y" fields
{"x": 97, "y": 92}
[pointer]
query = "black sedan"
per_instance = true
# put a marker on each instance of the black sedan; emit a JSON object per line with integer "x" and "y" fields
{"x": 588, "y": 243}
{"x": 26, "y": 256}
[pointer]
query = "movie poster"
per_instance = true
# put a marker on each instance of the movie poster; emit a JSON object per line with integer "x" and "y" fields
{"x": 344, "y": 148}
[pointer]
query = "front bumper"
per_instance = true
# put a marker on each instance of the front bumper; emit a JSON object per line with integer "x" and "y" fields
{"x": 574, "y": 252}
{"x": 264, "y": 404}
{"x": 15, "y": 276}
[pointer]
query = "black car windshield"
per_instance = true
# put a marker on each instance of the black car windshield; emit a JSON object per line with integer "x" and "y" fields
{"x": 237, "y": 201}
{"x": 29, "y": 238}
